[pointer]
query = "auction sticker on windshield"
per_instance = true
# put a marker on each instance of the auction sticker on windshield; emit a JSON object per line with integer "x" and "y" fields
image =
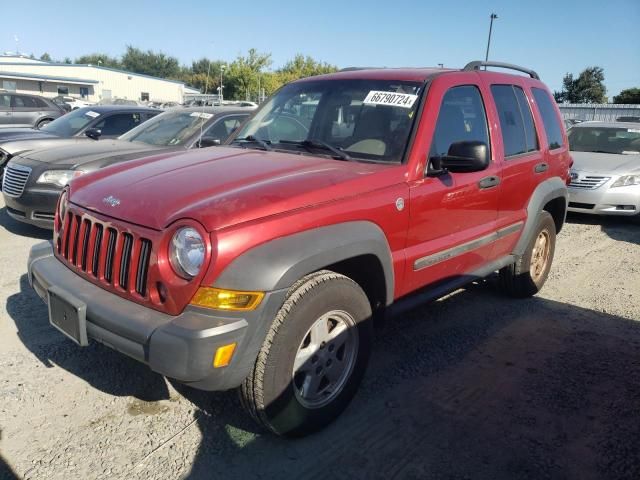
{"x": 92, "y": 114}
{"x": 404, "y": 100}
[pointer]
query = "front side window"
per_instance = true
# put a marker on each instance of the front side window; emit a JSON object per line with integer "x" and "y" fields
{"x": 461, "y": 118}
{"x": 605, "y": 140}
{"x": 118, "y": 124}
{"x": 224, "y": 127}
{"x": 174, "y": 127}
{"x": 71, "y": 123}
{"x": 550, "y": 119}
{"x": 516, "y": 122}
{"x": 363, "y": 119}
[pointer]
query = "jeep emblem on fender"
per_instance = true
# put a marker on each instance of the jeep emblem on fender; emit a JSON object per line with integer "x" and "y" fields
{"x": 111, "y": 201}
{"x": 400, "y": 204}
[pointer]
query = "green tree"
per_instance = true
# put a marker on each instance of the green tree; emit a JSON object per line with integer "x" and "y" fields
{"x": 629, "y": 95}
{"x": 67, "y": 60}
{"x": 101, "y": 59}
{"x": 242, "y": 76}
{"x": 45, "y": 57}
{"x": 150, "y": 63}
{"x": 302, "y": 66}
{"x": 588, "y": 87}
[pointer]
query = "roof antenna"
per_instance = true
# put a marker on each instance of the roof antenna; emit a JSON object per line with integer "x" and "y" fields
{"x": 206, "y": 86}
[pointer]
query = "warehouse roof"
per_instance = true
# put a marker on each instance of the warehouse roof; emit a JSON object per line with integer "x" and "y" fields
{"x": 52, "y": 78}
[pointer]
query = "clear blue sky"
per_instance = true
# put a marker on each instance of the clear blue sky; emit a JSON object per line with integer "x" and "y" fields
{"x": 553, "y": 37}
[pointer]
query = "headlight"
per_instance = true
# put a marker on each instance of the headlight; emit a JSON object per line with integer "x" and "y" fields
{"x": 62, "y": 209}
{"x": 186, "y": 252}
{"x": 59, "y": 177}
{"x": 626, "y": 180}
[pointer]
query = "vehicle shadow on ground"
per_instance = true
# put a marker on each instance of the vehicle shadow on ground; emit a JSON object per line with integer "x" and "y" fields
{"x": 471, "y": 386}
{"x": 23, "y": 229}
{"x": 102, "y": 367}
{"x": 624, "y": 229}
{"x": 6, "y": 472}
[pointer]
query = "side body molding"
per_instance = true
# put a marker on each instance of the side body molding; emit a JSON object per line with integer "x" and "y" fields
{"x": 548, "y": 190}
{"x": 277, "y": 264}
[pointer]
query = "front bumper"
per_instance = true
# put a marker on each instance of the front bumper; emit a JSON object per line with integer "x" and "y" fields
{"x": 180, "y": 347}
{"x": 606, "y": 201}
{"x": 35, "y": 206}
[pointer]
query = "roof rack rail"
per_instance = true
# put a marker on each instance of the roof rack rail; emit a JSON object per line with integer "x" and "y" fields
{"x": 478, "y": 63}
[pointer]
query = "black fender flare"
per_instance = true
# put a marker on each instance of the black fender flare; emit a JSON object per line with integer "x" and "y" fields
{"x": 279, "y": 263}
{"x": 548, "y": 190}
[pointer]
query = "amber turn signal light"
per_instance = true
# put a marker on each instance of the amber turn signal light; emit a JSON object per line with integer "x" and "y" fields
{"x": 223, "y": 355}
{"x": 219, "y": 299}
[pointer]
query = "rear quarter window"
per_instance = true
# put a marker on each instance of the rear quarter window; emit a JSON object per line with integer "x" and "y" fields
{"x": 550, "y": 119}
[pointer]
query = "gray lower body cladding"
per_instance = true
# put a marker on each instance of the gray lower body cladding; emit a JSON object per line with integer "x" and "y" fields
{"x": 179, "y": 347}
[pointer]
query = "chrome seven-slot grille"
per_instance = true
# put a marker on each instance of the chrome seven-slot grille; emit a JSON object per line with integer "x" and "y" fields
{"x": 588, "y": 182}
{"x": 15, "y": 178}
{"x": 111, "y": 256}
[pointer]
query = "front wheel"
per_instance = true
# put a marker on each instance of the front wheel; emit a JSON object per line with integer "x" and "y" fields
{"x": 527, "y": 276}
{"x": 313, "y": 358}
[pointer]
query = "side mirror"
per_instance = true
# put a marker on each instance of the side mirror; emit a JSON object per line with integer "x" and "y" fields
{"x": 462, "y": 157}
{"x": 94, "y": 133}
{"x": 209, "y": 142}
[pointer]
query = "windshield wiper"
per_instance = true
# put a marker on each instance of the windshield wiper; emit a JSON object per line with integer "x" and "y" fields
{"x": 320, "y": 144}
{"x": 253, "y": 139}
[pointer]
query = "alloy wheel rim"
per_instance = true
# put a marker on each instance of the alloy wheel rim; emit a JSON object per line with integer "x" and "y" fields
{"x": 540, "y": 255}
{"x": 325, "y": 359}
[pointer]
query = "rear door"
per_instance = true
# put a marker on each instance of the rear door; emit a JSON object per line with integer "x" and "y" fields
{"x": 452, "y": 216}
{"x": 25, "y": 111}
{"x": 524, "y": 164}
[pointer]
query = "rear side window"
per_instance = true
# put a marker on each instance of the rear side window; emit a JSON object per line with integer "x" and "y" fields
{"x": 461, "y": 118}
{"x": 516, "y": 122}
{"x": 23, "y": 102}
{"x": 549, "y": 118}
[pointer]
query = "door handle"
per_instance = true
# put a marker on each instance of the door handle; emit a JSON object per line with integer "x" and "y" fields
{"x": 489, "y": 182}
{"x": 541, "y": 167}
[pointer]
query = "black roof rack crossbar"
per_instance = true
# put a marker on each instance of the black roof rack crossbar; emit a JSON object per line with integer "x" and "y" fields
{"x": 478, "y": 63}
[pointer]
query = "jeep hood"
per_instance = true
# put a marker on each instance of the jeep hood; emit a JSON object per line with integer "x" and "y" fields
{"x": 222, "y": 186}
{"x": 76, "y": 152}
{"x": 605, "y": 163}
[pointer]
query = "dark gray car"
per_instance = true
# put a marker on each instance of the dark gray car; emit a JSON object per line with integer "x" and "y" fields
{"x": 20, "y": 110}
{"x": 34, "y": 179}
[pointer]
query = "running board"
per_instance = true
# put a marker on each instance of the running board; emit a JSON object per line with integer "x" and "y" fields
{"x": 444, "y": 287}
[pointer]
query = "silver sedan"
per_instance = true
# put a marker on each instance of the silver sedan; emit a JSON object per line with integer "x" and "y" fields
{"x": 605, "y": 177}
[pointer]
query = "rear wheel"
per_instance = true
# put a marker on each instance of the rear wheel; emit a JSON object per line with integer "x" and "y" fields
{"x": 44, "y": 122}
{"x": 527, "y": 276}
{"x": 313, "y": 357}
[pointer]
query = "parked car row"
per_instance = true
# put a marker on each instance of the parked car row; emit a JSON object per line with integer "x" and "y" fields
{"x": 260, "y": 264}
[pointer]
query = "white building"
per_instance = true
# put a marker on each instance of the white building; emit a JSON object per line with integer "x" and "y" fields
{"x": 90, "y": 82}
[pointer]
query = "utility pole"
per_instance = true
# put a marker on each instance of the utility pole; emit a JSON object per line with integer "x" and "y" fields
{"x": 222, "y": 67}
{"x": 493, "y": 17}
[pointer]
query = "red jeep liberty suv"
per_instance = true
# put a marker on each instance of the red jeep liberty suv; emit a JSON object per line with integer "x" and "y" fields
{"x": 260, "y": 264}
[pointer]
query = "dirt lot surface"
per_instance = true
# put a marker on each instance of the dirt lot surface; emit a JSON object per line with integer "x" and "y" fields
{"x": 474, "y": 385}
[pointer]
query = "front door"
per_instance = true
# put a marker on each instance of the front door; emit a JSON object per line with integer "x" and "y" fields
{"x": 453, "y": 216}
{"x": 5, "y": 109}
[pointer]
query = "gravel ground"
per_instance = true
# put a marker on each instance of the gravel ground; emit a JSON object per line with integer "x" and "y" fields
{"x": 474, "y": 385}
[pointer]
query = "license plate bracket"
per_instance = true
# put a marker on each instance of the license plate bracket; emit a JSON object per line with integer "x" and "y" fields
{"x": 68, "y": 314}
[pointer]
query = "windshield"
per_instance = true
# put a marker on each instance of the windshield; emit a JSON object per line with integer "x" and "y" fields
{"x": 364, "y": 119}
{"x": 71, "y": 123}
{"x": 170, "y": 128}
{"x": 605, "y": 140}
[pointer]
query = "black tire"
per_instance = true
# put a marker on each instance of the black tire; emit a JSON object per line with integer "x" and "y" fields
{"x": 44, "y": 122}
{"x": 516, "y": 279}
{"x": 269, "y": 392}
